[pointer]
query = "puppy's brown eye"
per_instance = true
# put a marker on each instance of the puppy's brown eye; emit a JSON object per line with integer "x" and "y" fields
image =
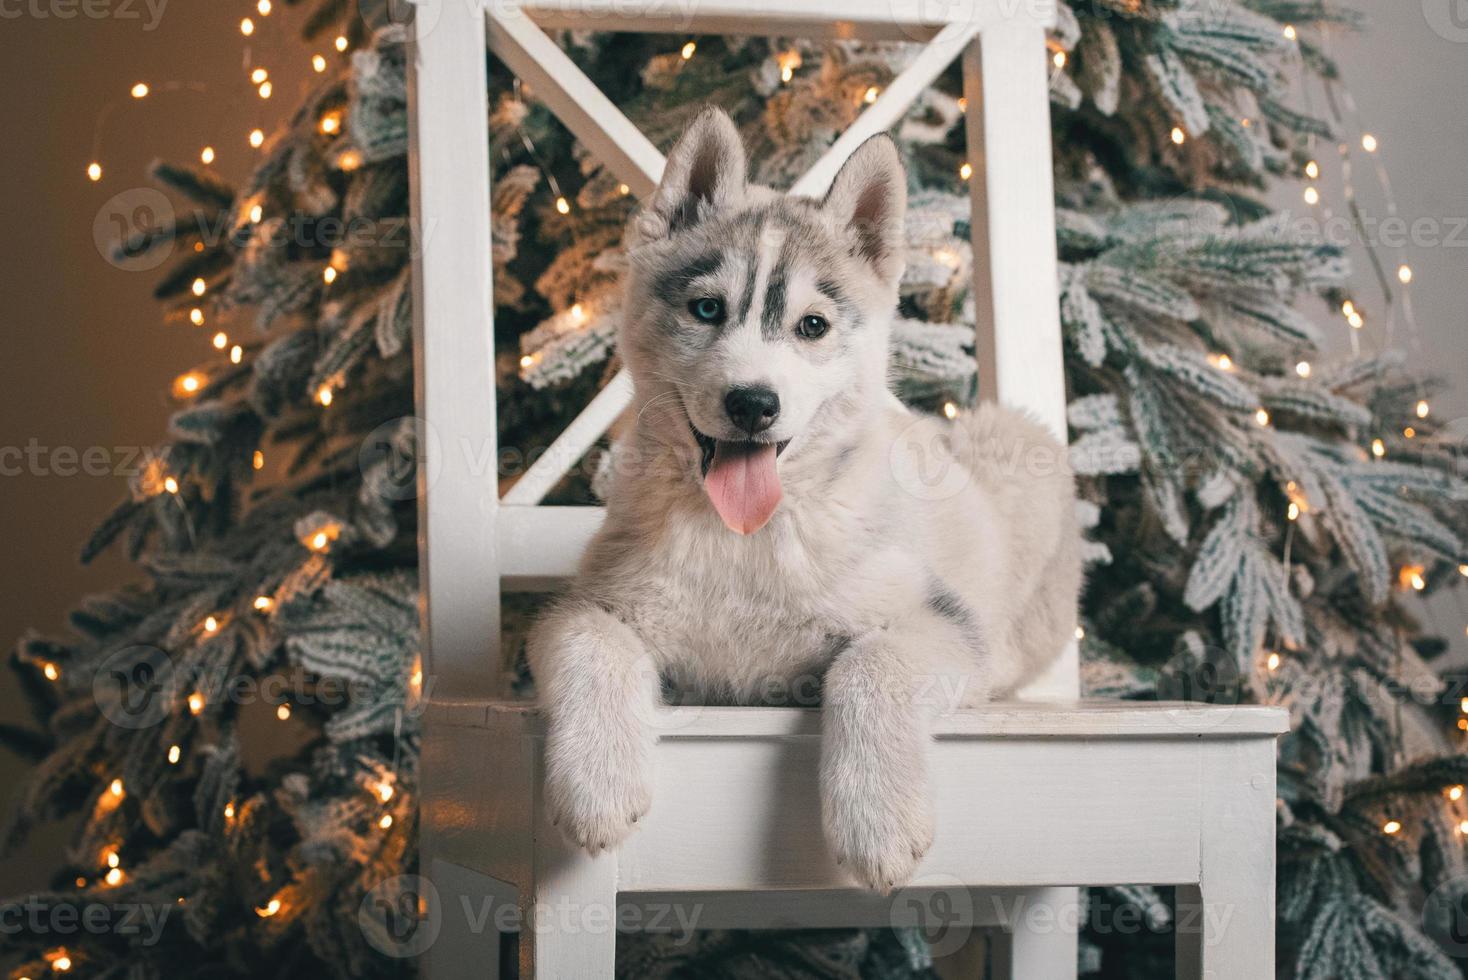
{"x": 707, "y": 308}
{"x": 812, "y": 326}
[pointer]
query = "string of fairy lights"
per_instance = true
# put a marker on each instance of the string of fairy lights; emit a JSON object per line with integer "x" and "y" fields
{"x": 1397, "y": 301}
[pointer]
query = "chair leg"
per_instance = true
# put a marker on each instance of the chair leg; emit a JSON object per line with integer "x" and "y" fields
{"x": 570, "y": 915}
{"x": 1225, "y": 923}
{"x": 1041, "y": 943}
{"x": 468, "y": 912}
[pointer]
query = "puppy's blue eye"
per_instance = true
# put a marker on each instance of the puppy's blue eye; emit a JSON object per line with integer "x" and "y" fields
{"x": 707, "y": 308}
{"x": 812, "y": 326}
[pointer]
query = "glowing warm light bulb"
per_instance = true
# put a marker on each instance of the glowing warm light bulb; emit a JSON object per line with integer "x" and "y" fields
{"x": 1312, "y": 170}
{"x": 1416, "y": 580}
{"x": 329, "y": 274}
{"x": 110, "y": 857}
{"x": 384, "y": 792}
{"x": 1178, "y": 136}
{"x": 1272, "y": 662}
{"x": 186, "y": 385}
{"x": 331, "y": 123}
{"x": 1303, "y": 369}
{"x": 51, "y": 671}
{"x": 319, "y": 541}
{"x": 1404, "y": 273}
{"x": 263, "y": 7}
{"x": 1225, "y": 363}
{"x": 578, "y": 313}
{"x": 349, "y": 161}
{"x": 1378, "y": 448}
{"x": 266, "y": 89}
{"x": 236, "y": 354}
{"x": 386, "y": 821}
{"x": 1391, "y": 827}
{"x": 196, "y": 703}
{"x": 268, "y": 909}
{"x": 965, "y": 170}
{"x": 113, "y": 877}
{"x": 257, "y": 138}
{"x": 318, "y": 63}
{"x": 1423, "y": 408}
{"x": 340, "y": 43}
{"x": 688, "y": 50}
{"x": 94, "y": 171}
{"x": 950, "y": 410}
{"x": 1059, "y": 59}
{"x": 221, "y": 340}
{"x": 211, "y": 624}
{"x": 170, "y": 484}
{"x": 1463, "y": 827}
{"x": 263, "y": 603}
{"x": 1368, "y": 142}
{"x": 324, "y": 395}
{"x": 256, "y": 213}
{"x": 1409, "y": 432}
{"x": 258, "y": 462}
{"x": 259, "y": 75}
{"x": 563, "y": 205}
{"x": 870, "y": 95}
{"x": 1261, "y": 417}
{"x": 247, "y": 27}
{"x": 140, "y": 90}
{"x": 623, "y": 189}
{"x": 1293, "y": 513}
{"x": 61, "y": 962}
{"x": 198, "y": 287}
{"x": 116, "y": 788}
{"x": 1463, "y": 570}
{"x": 229, "y": 810}
{"x": 206, "y": 155}
{"x": 527, "y": 360}
{"x": 1312, "y": 196}
{"x": 1080, "y": 632}
{"x": 283, "y": 712}
{"x": 174, "y": 752}
{"x": 1455, "y": 793}
{"x": 1290, "y": 33}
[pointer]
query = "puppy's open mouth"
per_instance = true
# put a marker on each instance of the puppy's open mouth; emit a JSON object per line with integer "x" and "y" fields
{"x": 741, "y": 480}
{"x": 708, "y": 446}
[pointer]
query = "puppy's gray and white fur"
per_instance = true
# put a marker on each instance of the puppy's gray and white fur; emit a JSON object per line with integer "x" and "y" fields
{"x": 902, "y": 601}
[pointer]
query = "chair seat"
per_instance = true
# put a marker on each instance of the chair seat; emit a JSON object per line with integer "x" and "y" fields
{"x": 1000, "y": 719}
{"x": 1025, "y": 794}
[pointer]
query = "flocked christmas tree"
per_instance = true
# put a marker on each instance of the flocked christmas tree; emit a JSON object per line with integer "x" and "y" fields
{"x": 1253, "y": 515}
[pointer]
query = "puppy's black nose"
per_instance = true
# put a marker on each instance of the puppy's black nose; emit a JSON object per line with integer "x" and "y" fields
{"x": 752, "y": 409}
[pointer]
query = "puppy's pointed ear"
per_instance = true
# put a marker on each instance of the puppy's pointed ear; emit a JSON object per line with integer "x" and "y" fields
{"x": 868, "y": 200}
{"x": 705, "y": 172}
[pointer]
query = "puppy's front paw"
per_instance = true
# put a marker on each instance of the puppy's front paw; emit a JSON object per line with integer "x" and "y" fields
{"x": 597, "y": 788}
{"x": 878, "y": 832}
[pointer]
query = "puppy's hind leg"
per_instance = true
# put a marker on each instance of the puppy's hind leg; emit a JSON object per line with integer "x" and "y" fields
{"x": 598, "y": 687}
{"x": 880, "y": 697}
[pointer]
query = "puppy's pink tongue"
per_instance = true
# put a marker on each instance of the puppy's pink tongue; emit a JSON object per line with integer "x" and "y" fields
{"x": 743, "y": 485}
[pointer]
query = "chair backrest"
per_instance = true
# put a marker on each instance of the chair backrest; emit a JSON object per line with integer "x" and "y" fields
{"x": 471, "y": 541}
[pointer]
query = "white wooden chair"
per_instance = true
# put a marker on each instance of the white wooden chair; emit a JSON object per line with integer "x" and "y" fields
{"x": 1032, "y": 798}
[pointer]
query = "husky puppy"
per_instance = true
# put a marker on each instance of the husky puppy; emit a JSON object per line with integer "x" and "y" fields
{"x": 777, "y": 517}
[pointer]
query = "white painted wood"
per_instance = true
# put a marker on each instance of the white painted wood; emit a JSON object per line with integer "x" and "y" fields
{"x": 1226, "y": 919}
{"x": 574, "y": 98}
{"x": 571, "y": 445}
{"x": 1040, "y": 938}
{"x": 892, "y": 102}
{"x": 1016, "y": 312}
{"x": 1025, "y": 808}
{"x": 878, "y": 20}
{"x": 453, "y": 346}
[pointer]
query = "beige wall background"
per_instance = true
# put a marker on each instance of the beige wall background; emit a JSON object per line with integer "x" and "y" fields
{"x": 87, "y": 357}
